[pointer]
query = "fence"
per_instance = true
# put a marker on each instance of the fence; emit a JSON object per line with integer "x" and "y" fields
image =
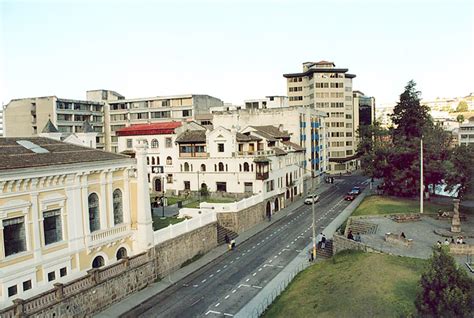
{"x": 175, "y": 230}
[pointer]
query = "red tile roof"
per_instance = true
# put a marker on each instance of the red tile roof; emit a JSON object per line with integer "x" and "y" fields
{"x": 149, "y": 129}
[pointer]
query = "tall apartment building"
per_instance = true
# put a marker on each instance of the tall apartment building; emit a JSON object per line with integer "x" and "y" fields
{"x": 121, "y": 112}
{"x": 366, "y": 105}
{"x": 329, "y": 89}
{"x": 305, "y": 125}
{"x": 26, "y": 117}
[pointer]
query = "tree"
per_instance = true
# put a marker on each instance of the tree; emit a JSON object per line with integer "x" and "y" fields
{"x": 460, "y": 118}
{"x": 462, "y": 107}
{"x": 446, "y": 290}
{"x": 460, "y": 170}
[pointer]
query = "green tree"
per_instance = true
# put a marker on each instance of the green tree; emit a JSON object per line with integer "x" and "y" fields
{"x": 462, "y": 107}
{"x": 460, "y": 118}
{"x": 446, "y": 290}
{"x": 460, "y": 170}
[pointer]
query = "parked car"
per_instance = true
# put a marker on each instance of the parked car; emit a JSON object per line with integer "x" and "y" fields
{"x": 311, "y": 198}
{"x": 349, "y": 197}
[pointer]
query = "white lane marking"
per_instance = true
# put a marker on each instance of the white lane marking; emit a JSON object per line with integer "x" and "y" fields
{"x": 212, "y": 275}
{"x": 230, "y": 315}
{"x": 226, "y": 296}
{"x": 233, "y": 292}
{"x": 231, "y": 261}
{"x": 265, "y": 265}
{"x": 260, "y": 269}
{"x": 238, "y": 257}
{"x": 247, "y": 279}
{"x": 275, "y": 256}
{"x": 279, "y": 253}
{"x": 243, "y": 285}
{"x": 254, "y": 286}
{"x": 217, "y": 305}
{"x": 225, "y": 266}
{"x": 218, "y": 271}
{"x": 195, "y": 286}
{"x": 254, "y": 274}
{"x": 270, "y": 261}
{"x": 203, "y": 281}
{"x": 280, "y": 266}
{"x": 213, "y": 312}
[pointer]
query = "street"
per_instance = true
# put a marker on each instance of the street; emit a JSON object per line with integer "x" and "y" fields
{"x": 226, "y": 284}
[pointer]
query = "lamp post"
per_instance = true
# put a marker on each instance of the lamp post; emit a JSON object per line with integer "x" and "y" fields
{"x": 421, "y": 175}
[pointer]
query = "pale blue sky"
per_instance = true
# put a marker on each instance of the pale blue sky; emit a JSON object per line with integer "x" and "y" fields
{"x": 233, "y": 50}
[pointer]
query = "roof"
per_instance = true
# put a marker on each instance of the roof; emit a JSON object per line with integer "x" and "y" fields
{"x": 192, "y": 136}
{"x": 293, "y": 145}
{"x": 243, "y": 137}
{"x": 272, "y": 131}
{"x": 324, "y": 63}
{"x": 86, "y": 127}
{"x": 279, "y": 151}
{"x": 320, "y": 70}
{"x": 261, "y": 160}
{"x": 50, "y": 128}
{"x": 149, "y": 129}
{"x": 15, "y": 156}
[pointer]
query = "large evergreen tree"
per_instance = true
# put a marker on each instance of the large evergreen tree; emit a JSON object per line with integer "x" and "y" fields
{"x": 446, "y": 290}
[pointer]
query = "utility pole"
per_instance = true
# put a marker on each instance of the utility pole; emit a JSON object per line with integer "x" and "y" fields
{"x": 314, "y": 229}
{"x": 421, "y": 175}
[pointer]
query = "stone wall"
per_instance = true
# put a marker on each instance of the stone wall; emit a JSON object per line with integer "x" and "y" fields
{"x": 171, "y": 254}
{"x": 461, "y": 249}
{"x": 240, "y": 221}
{"x": 341, "y": 243}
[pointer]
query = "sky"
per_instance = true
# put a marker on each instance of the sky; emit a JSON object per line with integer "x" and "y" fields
{"x": 233, "y": 50}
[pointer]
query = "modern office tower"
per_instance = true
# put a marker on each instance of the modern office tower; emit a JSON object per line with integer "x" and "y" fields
{"x": 366, "y": 106}
{"x": 120, "y": 112}
{"x": 26, "y": 117}
{"x": 324, "y": 87}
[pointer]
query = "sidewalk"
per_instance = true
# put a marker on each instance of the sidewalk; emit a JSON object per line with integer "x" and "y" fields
{"x": 135, "y": 299}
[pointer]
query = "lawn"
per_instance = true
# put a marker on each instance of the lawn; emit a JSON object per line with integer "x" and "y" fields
{"x": 378, "y": 205}
{"x": 195, "y": 204}
{"x": 159, "y": 223}
{"x": 354, "y": 284}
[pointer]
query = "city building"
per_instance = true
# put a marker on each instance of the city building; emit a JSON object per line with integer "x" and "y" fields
{"x": 121, "y": 112}
{"x": 87, "y": 137}
{"x": 366, "y": 104}
{"x": 26, "y": 117}
{"x": 466, "y": 132}
{"x": 225, "y": 162}
{"x": 267, "y": 102}
{"x": 1, "y": 122}
{"x": 329, "y": 89}
{"x": 305, "y": 125}
{"x": 65, "y": 209}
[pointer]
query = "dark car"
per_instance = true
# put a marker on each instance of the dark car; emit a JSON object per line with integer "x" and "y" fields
{"x": 349, "y": 197}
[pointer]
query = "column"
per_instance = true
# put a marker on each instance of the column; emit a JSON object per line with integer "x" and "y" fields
{"x": 127, "y": 218}
{"x": 110, "y": 198}
{"x": 103, "y": 202}
{"x": 36, "y": 219}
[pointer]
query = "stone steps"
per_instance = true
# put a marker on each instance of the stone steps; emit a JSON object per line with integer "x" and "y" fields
{"x": 221, "y": 233}
{"x": 362, "y": 227}
{"x": 327, "y": 252}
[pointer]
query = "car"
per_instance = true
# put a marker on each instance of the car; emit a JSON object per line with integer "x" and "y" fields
{"x": 354, "y": 191}
{"x": 311, "y": 198}
{"x": 349, "y": 197}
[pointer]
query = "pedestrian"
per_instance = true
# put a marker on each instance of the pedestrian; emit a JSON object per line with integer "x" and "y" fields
{"x": 323, "y": 241}
{"x": 232, "y": 244}
{"x": 446, "y": 242}
{"x": 403, "y": 235}
{"x": 438, "y": 244}
{"x": 311, "y": 256}
{"x": 357, "y": 237}
{"x": 350, "y": 236}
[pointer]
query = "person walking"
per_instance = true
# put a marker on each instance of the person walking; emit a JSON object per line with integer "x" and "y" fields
{"x": 323, "y": 241}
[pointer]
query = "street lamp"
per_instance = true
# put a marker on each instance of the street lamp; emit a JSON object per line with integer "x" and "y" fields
{"x": 421, "y": 175}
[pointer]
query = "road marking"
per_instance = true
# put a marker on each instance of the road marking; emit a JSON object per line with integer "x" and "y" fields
{"x": 217, "y": 305}
{"x": 238, "y": 257}
{"x": 254, "y": 274}
{"x": 218, "y": 271}
{"x": 226, "y": 296}
{"x": 265, "y": 265}
{"x": 243, "y": 285}
{"x": 213, "y": 312}
{"x": 195, "y": 286}
{"x": 270, "y": 261}
{"x": 233, "y": 260}
{"x": 233, "y": 292}
{"x": 225, "y": 266}
{"x": 260, "y": 269}
{"x": 254, "y": 286}
{"x": 203, "y": 281}
{"x": 280, "y": 266}
{"x": 247, "y": 279}
{"x": 275, "y": 256}
{"x": 288, "y": 246}
{"x": 279, "y": 253}
{"x": 230, "y": 315}
{"x": 212, "y": 275}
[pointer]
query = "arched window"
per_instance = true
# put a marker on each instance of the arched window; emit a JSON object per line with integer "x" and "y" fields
{"x": 203, "y": 167}
{"x": 152, "y": 161}
{"x": 246, "y": 166}
{"x": 148, "y": 161}
{"x": 121, "y": 253}
{"x": 154, "y": 143}
{"x": 221, "y": 166}
{"x": 186, "y": 166}
{"x": 118, "y": 207}
{"x": 169, "y": 161}
{"x": 157, "y": 160}
{"x": 98, "y": 262}
{"x": 94, "y": 218}
{"x": 158, "y": 185}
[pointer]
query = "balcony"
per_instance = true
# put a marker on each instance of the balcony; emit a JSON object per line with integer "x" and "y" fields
{"x": 262, "y": 175}
{"x": 254, "y": 153}
{"x": 106, "y": 236}
{"x": 193, "y": 155}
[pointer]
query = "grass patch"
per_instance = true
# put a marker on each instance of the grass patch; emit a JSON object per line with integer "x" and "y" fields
{"x": 352, "y": 284}
{"x": 195, "y": 204}
{"x": 380, "y": 205}
{"x": 192, "y": 259}
{"x": 159, "y": 223}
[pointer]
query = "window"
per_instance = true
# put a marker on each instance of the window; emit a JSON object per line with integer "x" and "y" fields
{"x": 270, "y": 185}
{"x": 187, "y": 185}
{"x": 52, "y": 226}
{"x": 121, "y": 253}
{"x": 168, "y": 143}
{"x": 12, "y": 291}
{"x": 158, "y": 185}
{"x": 51, "y": 276}
{"x": 165, "y": 114}
{"x": 14, "y": 239}
{"x": 203, "y": 167}
{"x": 129, "y": 143}
{"x": 187, "y": 113}
{"x": 248, "y": 187}
{"x": 27, "y": 285}
{"x": 118, "y": 206}
{"x": 169, "y": 178}
{"x": 246, "y": 166}
{"x": 221, "y": 166}
{"x": 220, "y": 147}
{"x": 154, "y": 143}
{"x": 186, "y": 166}
{"x": 169, "y": 161}
{"x": 221, "y": 186}
{"x": 98, "y": 262}
{"x": 63, "y": 272}
{"x": 94, "y": 221}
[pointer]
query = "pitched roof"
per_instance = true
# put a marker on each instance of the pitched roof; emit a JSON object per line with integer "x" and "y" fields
{"x": 13, "y": 155}
{"x": 50, "y": 128}
{"x": 149, "y": 129}
{"x": 86, "y": 127}
{"x": 243, "y": 137}
{"x": 192, "y": 136}
{"x": 272, "y": 131}
{"x": 293, "y": 145}
{"x": 279, "y": 151}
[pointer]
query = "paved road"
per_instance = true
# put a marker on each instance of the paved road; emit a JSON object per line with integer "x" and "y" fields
{"x": 225, "y": 285}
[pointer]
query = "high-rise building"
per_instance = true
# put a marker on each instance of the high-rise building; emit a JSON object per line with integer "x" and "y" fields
{"x": 366, "y": 104}
{"x": 121, "y": 112}
{"x": 26, "y": 117}
{"x": 329, "y": 89}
